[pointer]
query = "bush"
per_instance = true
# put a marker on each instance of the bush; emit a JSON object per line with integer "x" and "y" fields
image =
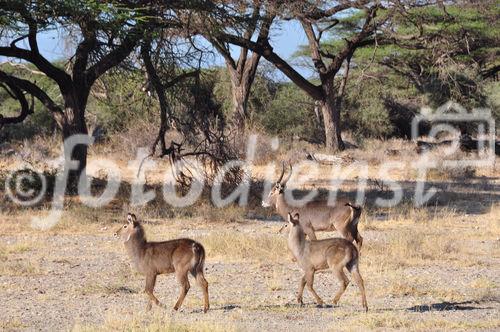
{"x": 291, "y": 113}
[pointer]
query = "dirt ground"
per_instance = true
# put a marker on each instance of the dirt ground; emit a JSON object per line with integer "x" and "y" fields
{"x": 78, "y": 278}
{"x": 427, "y": 268}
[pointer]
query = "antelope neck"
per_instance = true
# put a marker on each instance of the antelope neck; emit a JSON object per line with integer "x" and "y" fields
{"x": 136, "y": 246}
{"x": 296, "y": 241}
{"x": 281, "y": 205}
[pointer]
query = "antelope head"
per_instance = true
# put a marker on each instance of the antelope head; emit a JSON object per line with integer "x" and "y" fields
{"x": 292, "y": 221}
{"x": 278, "y": 188}
{"x": 128, "y": 229}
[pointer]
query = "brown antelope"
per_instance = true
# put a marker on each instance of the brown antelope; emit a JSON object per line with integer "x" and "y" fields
{"x": 318, "y": 215}
{"x": 312, "y": 256}
{"x": 180, "y": 256}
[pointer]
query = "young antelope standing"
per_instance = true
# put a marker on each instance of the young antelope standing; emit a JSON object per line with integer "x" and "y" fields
{"x": 333, "y": 253}
{"x": 180, "y": 256}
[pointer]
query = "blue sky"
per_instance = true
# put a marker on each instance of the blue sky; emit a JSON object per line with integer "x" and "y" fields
{"x": 285, "y": 38}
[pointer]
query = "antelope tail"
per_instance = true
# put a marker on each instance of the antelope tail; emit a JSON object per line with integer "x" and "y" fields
{"x": 199, "y": 259}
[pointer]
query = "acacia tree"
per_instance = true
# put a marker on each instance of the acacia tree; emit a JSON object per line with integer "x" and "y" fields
{"x": 446, "y": 52}
{"x": 106, "y": 35}
{"x": 242, "y": 71}
{"x": 187, "y": 108}
{"x": 317, "y": 19}
{"x": 164, "y": 69}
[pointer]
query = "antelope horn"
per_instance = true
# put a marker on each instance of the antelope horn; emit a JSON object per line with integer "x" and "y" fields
{"x": 282, "y": 172}
{"x": 289, "y": 175}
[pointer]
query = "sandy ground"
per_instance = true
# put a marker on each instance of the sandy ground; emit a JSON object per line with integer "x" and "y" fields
{"x": 435, "y": 268}
{"x": 77, "y": 281}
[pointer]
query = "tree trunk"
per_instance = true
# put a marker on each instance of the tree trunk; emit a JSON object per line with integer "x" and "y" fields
{"x": 331, "y": 122}
{"x": 75, "y": 124}
{"x": 240, "y": 102}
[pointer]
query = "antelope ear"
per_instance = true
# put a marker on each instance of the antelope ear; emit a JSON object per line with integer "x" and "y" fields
{"x": 294, "y": 220}
{"x": 131, "y": 218}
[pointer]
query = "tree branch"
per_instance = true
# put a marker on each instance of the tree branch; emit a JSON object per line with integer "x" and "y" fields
{"x": 221, "y": 48}
{"x": 318, "y": 13}
{"x": 162, "y": 98}
{"x": 248, "y": 35}
{"x": 24, "y": 67}
{"x": 32, "y": 89}
{"x": 17, "y": 40}
{"x": 181, "y": 77}
{"x": 114, "y": 57}
{"x": 82, "y": 53}
{"x": 314, "y": 47}
{"x": 263, "y": 48}
{"x": 17, "y": 94}
{"x": 58, "y": 75}
{"x": 354, "y": 43}
{"x": 251, "y": 68}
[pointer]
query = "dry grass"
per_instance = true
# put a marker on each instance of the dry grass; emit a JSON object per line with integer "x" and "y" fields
{"x": 236, "y": 246}
{"x": 15, "y": 248}
{"x": 12, "y": 265}
{"x": 20, "y": 267}
{"x": 155, "y": 322}
{"x": 394, "y": 262}
{"x": 417, "y": 237}
{"x": 231, "y": 213}
{"x": 404, "y": 285}
{"x": 483, "y": 283}
{"x": 412, "y": 256}
{"x": 12, "y": 325}
{"x": 276, "y": 281}
{"x": 411, "y": 322}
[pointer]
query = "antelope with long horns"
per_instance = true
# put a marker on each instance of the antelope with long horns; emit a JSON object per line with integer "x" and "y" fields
{"x": 318, "y": 215}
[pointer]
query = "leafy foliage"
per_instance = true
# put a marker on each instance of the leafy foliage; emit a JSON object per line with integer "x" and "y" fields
{"x": 291, "y": 113}
{"x": 428, "y": 57}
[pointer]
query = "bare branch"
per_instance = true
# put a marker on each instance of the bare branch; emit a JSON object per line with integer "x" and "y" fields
{"x": 265, "y": 49}
{"x": 314, "y": 47}
{"x": 114, "y": 57}
{"x": 318, "y": 13}
{"x": 32, "y": 89}
{"x": 17, "y": 40}
{"x": 17, "y": 94}
{"x": 224, "y": 51}
{"x": 23, "y": 66}
{"x": 248, "y": 35}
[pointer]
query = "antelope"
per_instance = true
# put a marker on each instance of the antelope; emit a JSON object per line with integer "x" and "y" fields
{"x": 180, "y": 256}
{"x": 318, "y": 215}
{"x": 333, "y": 253}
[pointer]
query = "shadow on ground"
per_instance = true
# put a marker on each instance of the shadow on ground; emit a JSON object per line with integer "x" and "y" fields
{"x": 463, "y": 196}
{"x": 446, "y": 306}
{"x": 474, "y": 195}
